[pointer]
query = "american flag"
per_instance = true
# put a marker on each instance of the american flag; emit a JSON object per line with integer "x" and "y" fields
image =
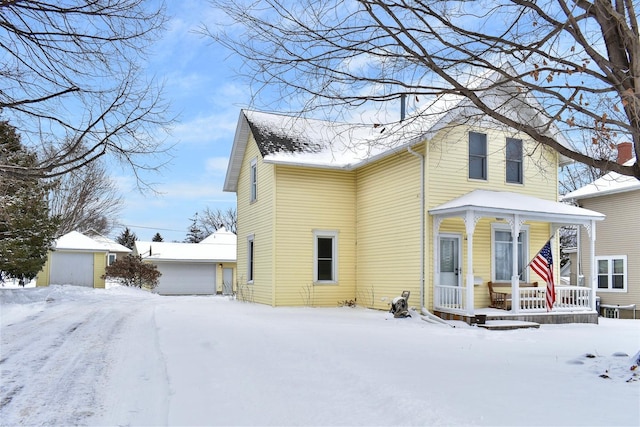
{"x": 542, "y": 264}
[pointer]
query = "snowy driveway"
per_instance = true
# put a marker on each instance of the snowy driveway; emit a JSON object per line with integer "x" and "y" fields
{"x": 77, "y": 356}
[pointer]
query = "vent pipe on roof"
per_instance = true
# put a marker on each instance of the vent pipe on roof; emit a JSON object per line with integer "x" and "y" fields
{"x": 403, "y": 107}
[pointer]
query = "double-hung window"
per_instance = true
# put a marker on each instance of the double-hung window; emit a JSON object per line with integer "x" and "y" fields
{"x": 253, "y": 180}
{"x": 250, "y": 258}
{"x": 514, "y": 161}
{"x": 325, "y": 268}
{"x": 503, "y": 253}
{"x": 477, "y": 155}
{"x": 612, "y": 273}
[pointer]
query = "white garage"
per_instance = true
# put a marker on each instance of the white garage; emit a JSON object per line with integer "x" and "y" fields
{"x": 205, "y": 268}
{"x": 186, "y": 278}
{"x": 72, "y": 268}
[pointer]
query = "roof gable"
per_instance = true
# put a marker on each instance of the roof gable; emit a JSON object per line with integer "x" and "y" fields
{"x": 300, "y": 141}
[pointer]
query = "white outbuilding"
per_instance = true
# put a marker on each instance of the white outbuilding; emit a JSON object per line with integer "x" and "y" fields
{"x": 204, "y": 268}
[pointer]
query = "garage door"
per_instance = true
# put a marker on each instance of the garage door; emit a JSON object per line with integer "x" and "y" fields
{"x": 186, "y": 279}
{"x": 70, "y": 268}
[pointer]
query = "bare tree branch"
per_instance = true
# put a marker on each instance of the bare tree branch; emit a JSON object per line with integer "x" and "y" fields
{"x": 576, "y": 61}
{"x": 71, "y": 77}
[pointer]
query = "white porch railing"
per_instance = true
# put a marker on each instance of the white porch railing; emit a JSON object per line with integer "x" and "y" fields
{"x": 568, "y": 298}
{"x": 450, "y": 298}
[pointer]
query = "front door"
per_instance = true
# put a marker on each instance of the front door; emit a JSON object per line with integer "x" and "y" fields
{"x": 450, "y": 260}
{"x": 450, "y": 271}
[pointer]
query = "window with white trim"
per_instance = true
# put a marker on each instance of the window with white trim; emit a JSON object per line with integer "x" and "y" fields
{"x": 111, "y": 258}
{"x": 325, "y": 255}
{"x": 477, "y": 155}
{"x": 250, "y": 258}
{"x": 253, "y": 178}
{"x": 513, "y": 165}
{"x": 502, "y": 254}
{"x": 612, "y": 273}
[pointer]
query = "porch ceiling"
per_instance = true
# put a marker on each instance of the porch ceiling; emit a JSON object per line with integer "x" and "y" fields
{"x": 487, "y": 203}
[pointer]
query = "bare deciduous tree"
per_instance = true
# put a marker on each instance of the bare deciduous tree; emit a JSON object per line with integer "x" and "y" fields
{"x": 578, "y": 61}
{"x": 212, "y": 220}
{"x": 85, "y": 199}
{"x": 71, "y": 77}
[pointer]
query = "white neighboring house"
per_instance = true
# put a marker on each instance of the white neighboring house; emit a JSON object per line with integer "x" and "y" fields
{"x": 617, "y": 248}
{"x": 78, "y": 260}
{"x": 204, "y": 268}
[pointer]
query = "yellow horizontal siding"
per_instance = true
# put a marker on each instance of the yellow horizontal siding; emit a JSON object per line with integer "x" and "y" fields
{"x": 388, "y": 194}
{"x": 448, "y": 160}
{"x": 447, "y": 178}
{"x": 311, "y": 200}
{"x": 255, "y": 219}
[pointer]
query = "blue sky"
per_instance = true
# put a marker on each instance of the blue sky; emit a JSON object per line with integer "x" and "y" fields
{"x": 205, "y": 95}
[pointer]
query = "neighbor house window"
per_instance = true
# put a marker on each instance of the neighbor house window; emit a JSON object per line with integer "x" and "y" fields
{"x": 477, "y": 155}
{"x": 514, "y": 160}
{"x": 111, "y": 258}
{"x": 253, "y": 177}
{"x": 503, "y": 255}
{"x": 612, "y": 273}
{"x": 250, "y": 258}
{"x": 325, "y": 257}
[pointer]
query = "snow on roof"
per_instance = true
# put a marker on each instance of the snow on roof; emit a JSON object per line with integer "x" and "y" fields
{"x": 504, "y": 202}
{"x": 300, "y": 141}
{"x": 75, "y": 241}
{"x": 110, "y": 244}
{"x": 195, "y": 252}
{"x": 221, "y": 236}
{"x": 610, "y": 183}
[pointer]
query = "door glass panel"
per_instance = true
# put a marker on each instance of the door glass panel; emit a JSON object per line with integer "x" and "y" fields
{"x": 448, "y": 255}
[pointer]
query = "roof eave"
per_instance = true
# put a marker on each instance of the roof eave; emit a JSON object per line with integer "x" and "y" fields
{"x": 240, "y": 140}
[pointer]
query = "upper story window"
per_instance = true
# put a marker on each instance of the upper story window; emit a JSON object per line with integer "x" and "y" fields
{"x": 325, "y": 257}
{"x": 253, "y": 179}
{"x": 514, "y": 161}
{"x": 477, "y": 155}
{"x": 612, "y": 273}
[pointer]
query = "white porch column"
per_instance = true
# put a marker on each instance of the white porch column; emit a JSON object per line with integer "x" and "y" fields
{"x": 594, "y": 267}
{"x": 515, "y": 285}
{"x": 470, "y": 221}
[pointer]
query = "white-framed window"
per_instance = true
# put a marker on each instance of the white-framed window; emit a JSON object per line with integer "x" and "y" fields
{"x": 477, "y": 155}
{"x": 325, "y": 256}
{"x": 250, "y": 258}
{"x": 513, "y": 166}
{"x": 253, "y": 178}
{"x": 612, "y": 273}
{"x": 111, "y": 258}
{"x": 502, "y": 255}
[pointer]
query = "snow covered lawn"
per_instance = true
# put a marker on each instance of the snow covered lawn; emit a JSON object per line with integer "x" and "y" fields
{"x": 78, "y": 356}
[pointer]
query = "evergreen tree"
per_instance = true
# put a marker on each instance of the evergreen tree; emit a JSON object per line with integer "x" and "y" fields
{"x": 26, "y": 229}
{"x": 127, "y": 238}
{"x": 157, "y": 238}
{"x": 195, "y": 234}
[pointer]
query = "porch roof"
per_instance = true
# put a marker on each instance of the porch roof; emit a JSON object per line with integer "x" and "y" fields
{"x": 504, "y": 203}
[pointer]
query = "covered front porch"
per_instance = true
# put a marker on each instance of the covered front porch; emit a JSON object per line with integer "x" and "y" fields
{"x": 515, "y": 224}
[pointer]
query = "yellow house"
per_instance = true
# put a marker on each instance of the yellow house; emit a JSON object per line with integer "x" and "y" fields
{"x": 330, "y": 213}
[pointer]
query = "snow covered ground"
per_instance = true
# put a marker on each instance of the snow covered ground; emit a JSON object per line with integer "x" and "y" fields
{"x": 76, "y": 356}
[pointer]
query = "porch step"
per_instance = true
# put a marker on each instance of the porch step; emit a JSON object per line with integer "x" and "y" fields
{"x": 507, "y": 325}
